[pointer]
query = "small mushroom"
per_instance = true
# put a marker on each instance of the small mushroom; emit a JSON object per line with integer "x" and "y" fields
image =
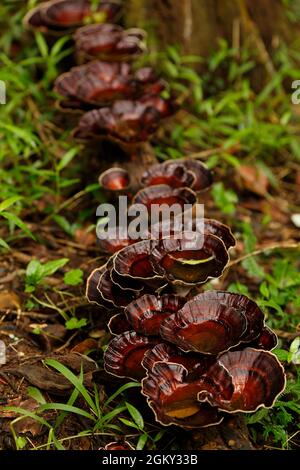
{"x": 125, "y": 352}
{"x": 146, "y": 313}
{"x": 257, "y": 380}
{"x": 190, "y": 259}
{"x": 115, "y": 180}
{"x": 59, "y": 17}
{"x": 173, "y": 398}
{"x": 119, "y": 445}
{"x": 206, "y": 327}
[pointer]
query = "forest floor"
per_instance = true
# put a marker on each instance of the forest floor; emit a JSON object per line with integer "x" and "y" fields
{"x": 248, "y": 134}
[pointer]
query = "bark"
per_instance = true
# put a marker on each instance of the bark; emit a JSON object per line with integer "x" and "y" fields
{"x": 198, "y": 24}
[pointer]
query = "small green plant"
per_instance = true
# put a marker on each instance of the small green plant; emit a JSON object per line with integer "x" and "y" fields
{"x": 36, "y": 272}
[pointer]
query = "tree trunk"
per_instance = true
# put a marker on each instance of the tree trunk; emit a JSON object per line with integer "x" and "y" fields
{"x": 198, "y": 24}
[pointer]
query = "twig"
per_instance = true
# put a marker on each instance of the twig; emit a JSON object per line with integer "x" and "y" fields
{"x": 264, "y": 249}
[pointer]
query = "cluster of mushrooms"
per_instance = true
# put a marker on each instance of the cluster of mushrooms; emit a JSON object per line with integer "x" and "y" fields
{"x": 197, "y": 355}
{"x": 111, "y": 97}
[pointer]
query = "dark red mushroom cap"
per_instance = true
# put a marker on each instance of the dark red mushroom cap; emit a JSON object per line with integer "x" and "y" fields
{"x": 96, "y": 83}
{"x": 221, "y": 231}
{"x": 92, "y": 293}
{"x": 203, "y": 177}
{"x": 115, "y": 179}
{"x": 206, "y": 327}
{"x": 257, "y": 377}
{"x": 63, "y": 15}
{"x": 253, "y": 314}
{"x": 146, "y": 313}
{"x": 112, "y": 292}
{"x": 191, "y": 259}
{"x": 164, "y": 352}
{"x": 173, "y": 174}
{"x": 109, "y": 41}
{"x": 164, "y": 194}
{"x": 121, "y": 445}
{"x": 134, "y": 261}
{"x": 267, "y": 340}
{"x": 125, "y": 352}
{"x": 174, "y": 400}
{"x": 127, "y": 121}
{"x": 118, "y": 324}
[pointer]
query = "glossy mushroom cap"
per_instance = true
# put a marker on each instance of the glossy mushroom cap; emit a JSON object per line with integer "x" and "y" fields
{"x": 127, "y": 121}
{"x": 61, "y": 16}
{"x": 112, "y": 293}
{"x": 119, "y": 324}
{"x": 267, "y": 340}
{"x": 165, "y": 352}
{"x": 257, "y": 380}
{"x": 115, "y": 179}
{"x": 242, "y": 303}
{"x": 146, "y": 313}
{"x": 121, "y": 445}
{"x": 174, "y": 399}
{"x": 191, "y": 259}
{"x": 125, "y": 352}
{"x": 164, "y": 194}
{"x": 92, "y": 293}
{"x": 109, "y": 41}
{"x": 173, "y": 174}
{"x": 208, "y": 328}
{"x": 134, "y": 262}
{"x": 213, "y": 322}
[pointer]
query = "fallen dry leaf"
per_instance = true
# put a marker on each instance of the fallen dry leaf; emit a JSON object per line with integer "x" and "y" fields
{"x": 9, "y": 300}
{"x": 253, "y": 179}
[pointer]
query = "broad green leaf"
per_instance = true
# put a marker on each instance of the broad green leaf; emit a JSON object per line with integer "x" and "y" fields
{"x": 73, "y": 277}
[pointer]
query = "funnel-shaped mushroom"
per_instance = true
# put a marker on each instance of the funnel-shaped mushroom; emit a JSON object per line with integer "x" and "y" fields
{"x": 220, "y": 230}
{"x": 63, "y": 16}
{"x": 146, "y": 313}
{"x": 125, "y": 352}
{"x": 242, "y": 303}
{"x": 206, "y": 327}
{"x": 109, "y": 41}
{"x": 127, "y": 121}
{"x": 257, "y": 377}
{"x": 92, "y": 293}
{"x": 174, "y": 399}
{"x": 112, "y": 292}
{"x": 134, "y": 262}
{"x": 191, "y": 259}
{"x": 213, "y": 322}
